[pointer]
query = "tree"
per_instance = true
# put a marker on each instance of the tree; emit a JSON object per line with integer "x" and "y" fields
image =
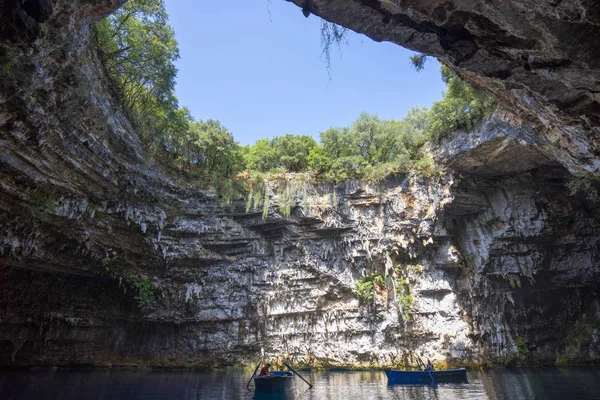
{"x": 138, "y": 48}
{"x": 318, "y": 160}
{"x": 261, "y": 156}
{"x": 337, "y": 143}
{"x": 217, "y": 152}
{"x": 293, "y": 150}
{"x": 289, "y": 152}
{"x": 377, "y": 141}
{"x": 413, "y": 133}
{"x": 461, "y": 108}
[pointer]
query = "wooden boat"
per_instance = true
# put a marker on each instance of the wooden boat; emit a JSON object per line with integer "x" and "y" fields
{"x": 458, "y": 375}
{"x": 277, "y": 381}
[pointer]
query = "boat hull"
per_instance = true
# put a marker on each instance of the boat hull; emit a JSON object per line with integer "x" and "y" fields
{"x": 458, "y": 375}
{"x": 278, "y": 381}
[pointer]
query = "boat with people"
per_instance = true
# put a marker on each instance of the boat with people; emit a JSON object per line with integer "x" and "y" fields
{"x": 425, "y": 377}
{"x": 275, "y": 381}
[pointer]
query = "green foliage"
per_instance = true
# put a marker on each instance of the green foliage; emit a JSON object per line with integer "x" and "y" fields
{"x": 265, "y": 212}
{"x": 406, "y": 302}
{"x": 427, "y": 167}
{"x": 514, "y": 281}
{"x": 6, "y": 62}
{"x": 461, "y": 108}
{"x": 40, "y": 205}
{"x": 378, "y": 172}
{"x": 106, "y": 262}
{"x": 366, "y": 287}
{"x": 138, "y": 48}
{"x": 318, "y": 160}
{"x": 365, "y": 290}
{"x": 331, "y": 35}
{"x": 208, "y": 151}
{"x": 491, "y": 222}
{"x": 290, "y": 152}
{"x": 403, "y": 294}
{"x": 418, "y": 61}
{"x": 379, "y": 281}
{"x": 522, "y": 346}
{"x": 371, "y": 148}
{"x": 143, "y": 289}
{"x": 286, "y": 187}
{"x": 257, "y": 190}
{"x": 585, "y": 185}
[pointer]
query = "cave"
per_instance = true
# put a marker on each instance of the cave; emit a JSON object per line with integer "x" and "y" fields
{"x": 501, "y": 262}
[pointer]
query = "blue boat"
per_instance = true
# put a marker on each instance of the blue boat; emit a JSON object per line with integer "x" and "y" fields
{"x": 276, "y": 381}
{"x": 458, "y": 375}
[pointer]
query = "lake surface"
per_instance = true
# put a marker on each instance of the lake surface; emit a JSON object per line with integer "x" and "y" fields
{"x": 548, "y": 384}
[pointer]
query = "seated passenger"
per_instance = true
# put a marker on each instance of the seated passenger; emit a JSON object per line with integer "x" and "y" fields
{"x": 264, "y": 371}
{"x": 430, "y": 365}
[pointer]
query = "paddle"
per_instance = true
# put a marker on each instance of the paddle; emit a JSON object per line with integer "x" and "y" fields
{"x": 254, "y": 373}
{"x": 294, "y": 371}
{"x": 425, "y": 368}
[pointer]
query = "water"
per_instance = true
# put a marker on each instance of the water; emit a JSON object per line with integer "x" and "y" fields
{"x": 230, "y": 384}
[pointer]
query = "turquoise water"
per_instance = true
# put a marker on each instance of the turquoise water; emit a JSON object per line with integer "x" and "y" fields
{"x": 547, "y": 384}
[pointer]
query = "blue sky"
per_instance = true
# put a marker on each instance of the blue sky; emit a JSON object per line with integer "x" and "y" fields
{"x": 256, "y": 66}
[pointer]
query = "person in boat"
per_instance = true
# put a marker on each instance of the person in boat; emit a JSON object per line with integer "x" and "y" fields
{"x": 264, "y": 371}
{"x": 430, "y": 365}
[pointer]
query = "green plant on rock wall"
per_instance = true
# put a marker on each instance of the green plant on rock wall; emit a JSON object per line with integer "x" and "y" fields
{"x": 492, "y": 221}
{"x": 585, "y": 185}
{"x": 366, "y": 287}
{"x": 427, "y": 167}
{"x": 6, "y": 63}
{"x": 286, "y": 195}
{"x": 403, "y": 294}
{"x": 40, "y": 205}
{"x": 514, "y": 280}
{"x": 522, "y": 346}
{"x": 144, "y": 290}
{"x": 106, "y": 262}
{"x": 276, "y": 185}
{"x": 266, "y": 202}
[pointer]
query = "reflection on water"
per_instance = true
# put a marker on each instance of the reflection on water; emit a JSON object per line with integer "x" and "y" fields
{"x": 557, "y": 383}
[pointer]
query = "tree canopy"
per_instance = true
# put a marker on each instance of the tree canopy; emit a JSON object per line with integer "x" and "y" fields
{"x": 138, "y": 50}
{"x": 289, "y": 152}
{"x": 462, "y": 107}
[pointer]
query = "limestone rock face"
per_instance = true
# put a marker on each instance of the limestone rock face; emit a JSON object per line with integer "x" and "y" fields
{"x": 490, "y": 262}
{"x": 539, "y": 58}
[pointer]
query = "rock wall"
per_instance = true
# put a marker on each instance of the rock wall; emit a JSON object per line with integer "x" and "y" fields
{"x": 530, "y": 249}
{"x": 490, "y": 263}
{"x": 538, "y": 57}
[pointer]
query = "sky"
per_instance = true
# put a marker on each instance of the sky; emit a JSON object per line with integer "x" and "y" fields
{"x": 257, "y": 66}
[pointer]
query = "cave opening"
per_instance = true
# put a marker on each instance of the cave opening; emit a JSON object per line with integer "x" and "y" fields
{"x": 471, "y": 253}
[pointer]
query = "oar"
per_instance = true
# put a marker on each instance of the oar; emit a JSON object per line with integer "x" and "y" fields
{"x": 294, "y": 371}
{"x": 254, "y": 373}
{"x": 425, "y": 368}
